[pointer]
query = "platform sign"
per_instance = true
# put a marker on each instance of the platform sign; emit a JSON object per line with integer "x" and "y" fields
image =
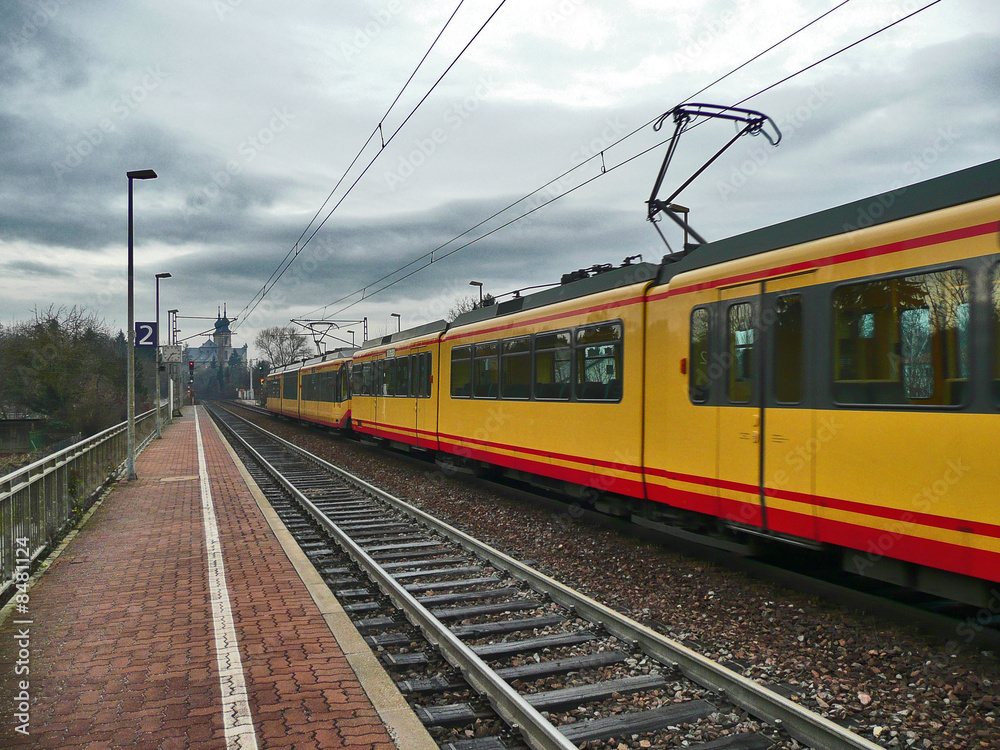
{"x": 145, "y": 335}
{"x": 171, "y": 354}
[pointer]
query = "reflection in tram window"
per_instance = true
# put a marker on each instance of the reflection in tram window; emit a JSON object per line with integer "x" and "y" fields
{"x": 741, "y": 353}
{"x": 599, "y": 362}
{"x": 788, "y": 350}
{"x": 699, "y": 383}
{"x": 553, "y": 364}
{"x": 903, "y": 341}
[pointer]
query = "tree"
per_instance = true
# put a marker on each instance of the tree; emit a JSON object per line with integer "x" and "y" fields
{"x": 282, "y": 345}
{"x": 66, "y": 365}
{"x": 468, "y": 304}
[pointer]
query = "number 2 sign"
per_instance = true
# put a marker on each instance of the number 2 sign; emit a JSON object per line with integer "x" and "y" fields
{"x": 145, "y": 334}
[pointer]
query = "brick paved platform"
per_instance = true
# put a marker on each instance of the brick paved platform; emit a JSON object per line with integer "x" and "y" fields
{"x": 126, "y": 641}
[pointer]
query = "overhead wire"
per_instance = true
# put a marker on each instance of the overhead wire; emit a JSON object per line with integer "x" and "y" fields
{"x": 569, "y": 171}
{"x": 430, "y": 255}
{"x": 299, "y": 244}
{"x": 295, "y": 249}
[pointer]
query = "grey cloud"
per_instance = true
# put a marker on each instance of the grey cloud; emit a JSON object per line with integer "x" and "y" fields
{"x": 34, "y": 268}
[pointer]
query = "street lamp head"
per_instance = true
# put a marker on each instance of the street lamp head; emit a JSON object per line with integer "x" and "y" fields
{"x": 141, "y": 174}
{"x": 475, "y": 283}
{"x": 163, "y": 275}
{"x": 173, "y": 311}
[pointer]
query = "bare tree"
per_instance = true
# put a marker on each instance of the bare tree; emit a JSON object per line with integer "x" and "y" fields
{"x": 282, "y": 345}
{"x": 468, "y": 304}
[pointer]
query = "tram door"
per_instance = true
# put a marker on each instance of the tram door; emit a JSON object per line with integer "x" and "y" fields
{"x": 741, "y": 412}
{"x": 789, "y": 437}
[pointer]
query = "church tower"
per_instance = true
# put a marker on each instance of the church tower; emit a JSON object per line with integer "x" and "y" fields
{"x": 223, "y": 338}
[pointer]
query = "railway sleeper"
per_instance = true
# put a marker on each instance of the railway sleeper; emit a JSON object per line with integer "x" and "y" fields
{"x": 625, "y": 725}
{"x": 554, "y": 700}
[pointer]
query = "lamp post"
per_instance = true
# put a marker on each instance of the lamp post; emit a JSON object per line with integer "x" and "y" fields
{"x": 141, "y": 174}
{"x": 398, "y": 321}
{"x": 480, "y": 285}
{"x": 159, "y": 422}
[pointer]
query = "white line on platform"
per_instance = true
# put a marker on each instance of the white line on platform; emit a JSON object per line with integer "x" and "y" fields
{"x": 236, "y": 717}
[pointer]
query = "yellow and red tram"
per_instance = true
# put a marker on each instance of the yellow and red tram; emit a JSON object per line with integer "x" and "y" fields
{"x": 838, "y": 385}
{"x": 395, "y": 387}
{"x": 551, "y": 385}
{"x": 831, "y": 381}
{"x": 315, "y": 390}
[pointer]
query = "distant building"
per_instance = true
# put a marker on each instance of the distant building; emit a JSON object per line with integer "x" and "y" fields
{"x": 21, "y": 432}
{"x": 216, "y": 349}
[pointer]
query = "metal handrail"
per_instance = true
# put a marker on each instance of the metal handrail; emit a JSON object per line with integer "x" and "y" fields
{"x": 38, "y": 501}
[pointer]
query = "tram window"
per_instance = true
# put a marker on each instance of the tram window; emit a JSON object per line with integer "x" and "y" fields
{"x": 699, "y": 383}
{"x": 741, "y": 353}
{"x": 461, "y": 372}
{"x": 995, "y": 307}
{"x": 344, "y": 382}
{"x": 515, "y": 368}
{"x": 903, "y": 341}
{"x": 307, "y": 387}
{"x": 788, "y": 350}
{"x": 290, "y": 386}
{"x": 418, "y": 372}
{"x": 599, "y": 362}
{"x": 553, "y": 363}
{"x": 357, "y": 379}
{"x": 423, "y": 383}
{"x": 369, "y": 379}
{"x": 403, "y": 376}
{"x": 487, "y": 368}
{"x": 388, "y": 367}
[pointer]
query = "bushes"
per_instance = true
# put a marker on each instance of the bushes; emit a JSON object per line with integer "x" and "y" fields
{"x": 67, "y": 365}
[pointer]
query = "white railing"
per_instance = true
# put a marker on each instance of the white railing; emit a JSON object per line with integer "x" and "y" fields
{"x": 38, "y": 501}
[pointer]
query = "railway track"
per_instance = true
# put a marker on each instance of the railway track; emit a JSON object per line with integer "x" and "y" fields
{"x": 484, "y": 643}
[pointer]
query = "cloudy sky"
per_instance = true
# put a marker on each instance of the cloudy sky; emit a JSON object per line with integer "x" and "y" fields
{"x": 250, "y": 113}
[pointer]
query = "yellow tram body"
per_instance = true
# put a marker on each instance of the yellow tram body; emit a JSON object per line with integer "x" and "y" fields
{"x": 568, "y": 406}
{"x": 881, "y": 444}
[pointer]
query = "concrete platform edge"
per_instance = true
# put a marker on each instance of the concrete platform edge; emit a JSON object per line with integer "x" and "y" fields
{"x": 402, "y": 724}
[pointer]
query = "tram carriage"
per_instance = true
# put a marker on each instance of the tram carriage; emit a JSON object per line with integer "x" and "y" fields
{"x": 395, "y": 387}
{"x": 830, "y": 381}
{"x": 837, "y": 385}
{"x": 550, "y": 386}
{"x": 316, "y": 390}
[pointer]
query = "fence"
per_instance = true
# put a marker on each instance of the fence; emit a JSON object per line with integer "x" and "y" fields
{"x": 38, "y": 501}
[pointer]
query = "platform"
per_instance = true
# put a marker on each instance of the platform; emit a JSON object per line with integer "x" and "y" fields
{"x": 182, "y": 616}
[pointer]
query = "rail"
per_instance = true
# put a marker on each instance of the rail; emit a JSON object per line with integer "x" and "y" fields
{"x": 807, "y": 727}
{"x": 38, "y": 501}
